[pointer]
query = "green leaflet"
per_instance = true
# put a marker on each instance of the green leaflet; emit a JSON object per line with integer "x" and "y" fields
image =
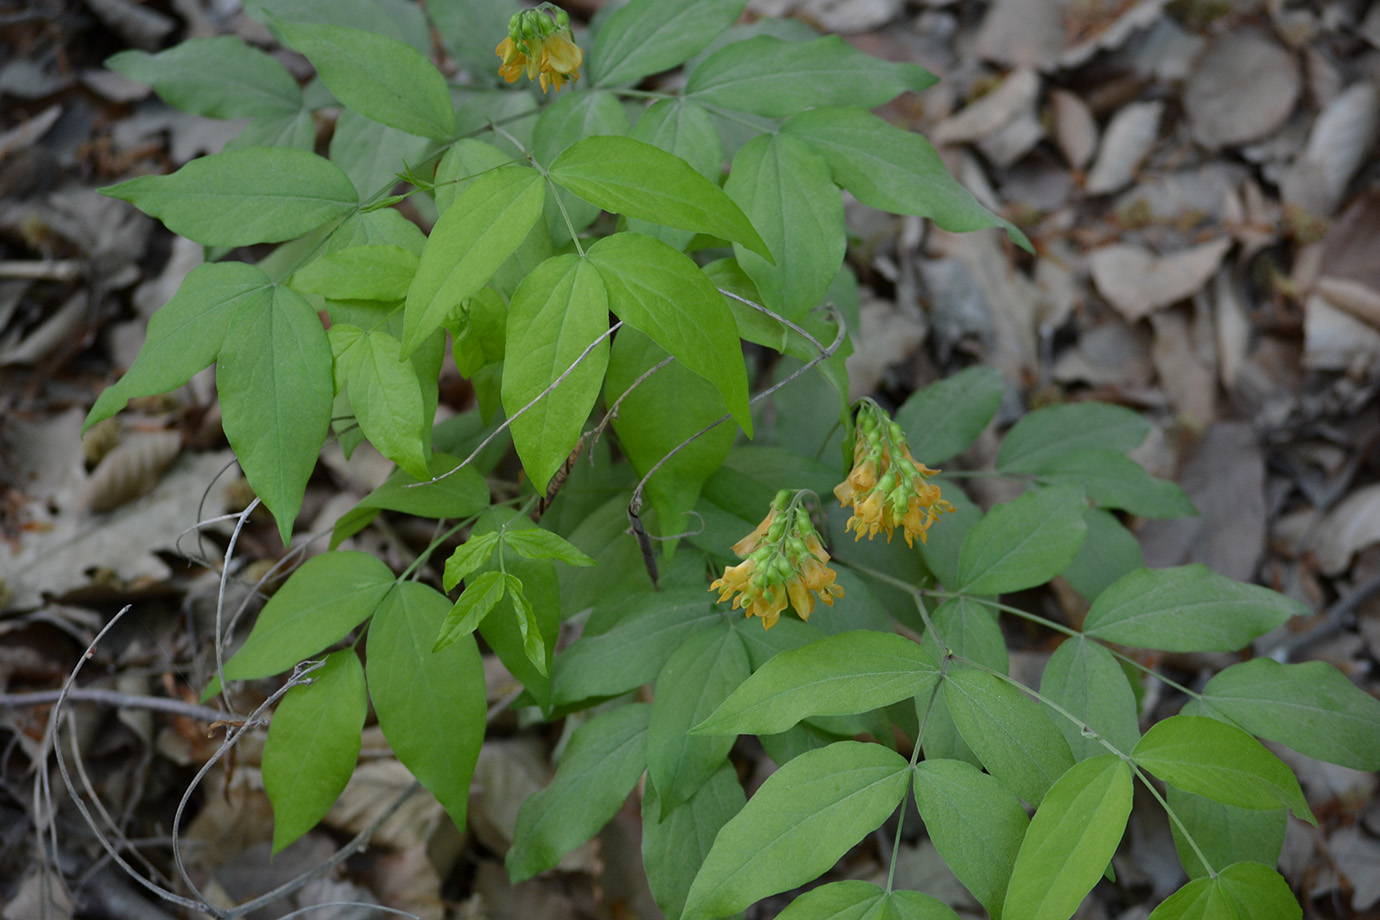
{"x": 1226, "y": 834}
{"x": 458, "y": 495}
{"x": 806, "y": 815}
{"x": 1246, "y": 889}
{"x": 685, "y": 130}
{"x": 1085, "y": 679}
{"x": 663, "y": 294}
{"x": 572, "y": 117}
{"x": 535, "y": 543}
{"x": 1311, "y": 707}
{"x": 674, "y": 845}
{"x": 359, "y": 273}
{"x": 431, "y": 706}
{"x": 1114, "y": 481}
{"x": 398, "y": 19}
{"x": 786, "y": 191}
{"x": 942, "y": 419}
{"x": 601, "y": 764}
{"x": 469, "y": 556}
{"x": 466, "y": 159}
{"x": 649, "y": 36}
{"x": 697, "y": 677}
{"x": 313, "y": 745}
{"x": 1109, "y": 551}
{"x": 1070, "y": 841}
{"x": 523, "y": 637}
{"x": 1022, "y": 543}
{"x": 633, "y": 178}
{"x": 386, "y": 395}
{"x": 1054, "y": 432}
{"x": 976, "y": 824}
{"x": 485, "y": 225}
{"x": 655, "y": 418}
{"x": 470, "y": 27}
{"x": 475, "y": 602}
{"x": 857, "y": 900}
{"x": 557, "y": 316}
{"x": 317, "y": 606}
{"x": 1012, "y": 735}
{"x": 373, "y": 154}
{"x": 893, "y": 169}
{"x": 969, "y": 630}
{"x": 377, "y": 76}
{"x": 1184, "y": 609}
{"x": 216, "y": 77}
{"x": 1220, "y": 761}
{"x": 254, "y": 195}
{"x": 275, "y": 383}
{"x": 844, "y": 674}
{"x": 185, "y": 334}
{"x": 775, "y": 78}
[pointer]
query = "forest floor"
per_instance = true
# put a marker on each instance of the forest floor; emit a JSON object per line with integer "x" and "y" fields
{"x": 1200, "y": 182}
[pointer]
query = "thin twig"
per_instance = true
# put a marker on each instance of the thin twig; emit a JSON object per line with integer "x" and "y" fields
{"x": 113, "y": 698}
{"x": 1331, "y": 622}
{"x": 776, "y": 316}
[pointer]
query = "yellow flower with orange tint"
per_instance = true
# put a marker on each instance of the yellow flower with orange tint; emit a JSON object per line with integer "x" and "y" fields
{"x": 785, "y": 564}
{"x": 542, "y": 47}
{"x": 887, "y": 487}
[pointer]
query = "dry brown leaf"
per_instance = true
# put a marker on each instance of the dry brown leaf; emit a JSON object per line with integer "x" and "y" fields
{"x": 1350, "y": 527}
{"x": 1125, "y": 145}
{"x": 1232, "y": 328}
{"x": 1075, "y": 129}
{"x": 1244, "y": 87}
{"x": 1137, "y": 282}
{"x": 1022, "y": 33}
{"x": 1341, "y": 140}
{"x": 1334, "y": 340}
{"x": 1002, "y": 122}
{"x": 1186, "y": 368}
{"x": 132, "y": 469}
{"x": 1360, "y": 300}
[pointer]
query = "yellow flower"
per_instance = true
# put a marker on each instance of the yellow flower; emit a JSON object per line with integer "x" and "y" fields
{"x": 785, "y": 564}
{"x": 888, "y": 487}
{"x": 560, "y": 61}
{"x": 544, "y": 48}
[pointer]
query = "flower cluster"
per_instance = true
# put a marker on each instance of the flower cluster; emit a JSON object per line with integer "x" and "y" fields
{"x": 542, "y": 47}
{"x": 783, "y": 561}
{"x": 887, "y": 487}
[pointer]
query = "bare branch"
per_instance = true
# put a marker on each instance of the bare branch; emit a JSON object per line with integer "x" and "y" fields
{"x": 101, "y": 697}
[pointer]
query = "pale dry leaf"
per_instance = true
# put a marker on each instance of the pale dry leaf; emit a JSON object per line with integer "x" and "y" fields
{"x": 1357, "y": 856}
{"x": 1075, "y": 129}
{"x": 1110, "y": 354}
{"x": 847, "y": 17}
{"x": 1334, "y": 340}
{"x": 1022, "y": 33}
{"x": 1137, "y": 282}
{"x": 1013, "y": 98}
{"x": 132, "y": 469}
{"x": 1350, "y": 527}
{"x": 1348, "y": 250}
{"x": 1370, "y": 26}
{"x": 1243, "y": 88}
{"x": 407, "y": 880}
{"x": 1128, "y": 140}
{"x": 1186, "y": 369}
{"x": 1340, "y": 141}
{"x": 1360, "y": 300}
{"x": 1232, "y": 328}
{"x": 1110, "y": 25}
{"x": 508, "y": 772}
{"x": 888, "y": 337}
{"x": 28, "y": 132}
{"x": 59, "y": 330}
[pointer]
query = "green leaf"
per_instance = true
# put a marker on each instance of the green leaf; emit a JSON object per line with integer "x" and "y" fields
{"x": 775, "y": 78}
{"x": 486, "y": 224}
{"x": 969, "y": 630}
{"x": 803, "y": 819}
{"x": 856, "y": 900}
{"x": 276, "y": 391}
{"x": 431, "y": 707}
{"x": 1220, "y": 761}
{"x": 1085, "y": 679}
{"x": 1070, "y": 841}
{"x": 674, "y": 846}
{"x": 533, "y": 643}
{"x": 295, "y": 129}
{"x": 660, "y": 292}
{"x": 242, "y": 197}
{"x": 632, "y": 652}
{"x": 313, "y": 745}
{"x": 682, "y": 128}
{"x": 399, "y": 19}
{"x": 459, "y": 495}
{"x": 185, "y": 334}
{"x": 694, "y": 681}
{"x": 469, "y": 28}
{"x": 1109, "y": 551}
{"x": 1311, "y": 707}
{"x": 975, "y": 824}
{"x": 469, "y": 556}
{"x": 567, "y": 120}
{"x": 944, "y": 418}
{"x": 1246, "y": 890}
{"x": 557, "y": 316}
{"x": 1225, "y": 833}
{"x": 1186, "y": 609}
{"x": 317, "y": 606}
{"x": 1011, "y": 734}
{"x": 648, "y": 36}
{"x": 1023, "y": 543}
{"x": 1115, "y": 481}
{"x": 359, "y": 273}
{"x": 535, "y": 543}
{"x": 479, "y": 330}
{"x": 377, "y": 76}
{"x": 785, "y": 190}
{"x": 1047, "y": 434}
{"x": 844, "y": 674}
{"x": 216, "y": 77}
{"x": 462, "y": 163}
{"x": 635, "y": 179}
{"x": 373, "y": 154}
{"x": 601, "y": 765}
{"x": 525, "y": 640}
{"x": 387, "y": 398}
{"x": 892, "y": 169}
{"x": 475, "y": 602}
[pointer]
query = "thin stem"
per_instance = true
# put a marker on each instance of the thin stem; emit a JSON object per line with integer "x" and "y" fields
{"x": 101, "y": 697}
{"x": 565, "y": 215}
{"x": 1145, "y": 781}
{"x": 798, "y": 330}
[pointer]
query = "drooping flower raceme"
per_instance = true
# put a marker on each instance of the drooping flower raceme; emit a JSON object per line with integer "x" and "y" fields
{"x": 541, "y": 46}
{"x": 783, "y": 562}
{"x": 888, "y": 487}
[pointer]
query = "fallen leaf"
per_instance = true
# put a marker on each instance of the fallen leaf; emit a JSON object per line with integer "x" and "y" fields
{"x": 1244, "y": 87}
{"x": 1137, "y": 282}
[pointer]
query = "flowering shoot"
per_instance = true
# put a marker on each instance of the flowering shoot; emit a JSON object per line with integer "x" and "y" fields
{"x": 784, "y": 562}
{"x": 888, "y": 487}
{"x": 542, "y": 46}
